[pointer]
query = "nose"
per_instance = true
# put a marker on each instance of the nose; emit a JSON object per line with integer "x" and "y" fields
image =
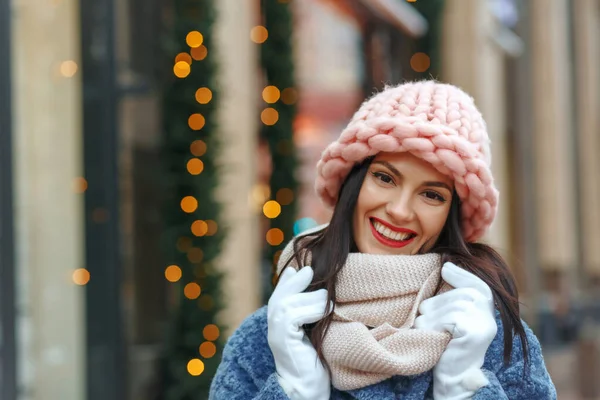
{"x": 400, "y": 209}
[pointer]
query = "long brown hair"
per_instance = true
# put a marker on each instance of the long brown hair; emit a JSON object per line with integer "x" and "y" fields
{"x": 329, "y": 249}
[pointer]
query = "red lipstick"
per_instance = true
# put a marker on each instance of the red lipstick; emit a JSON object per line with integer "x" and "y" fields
{"x": 390, "y": 242}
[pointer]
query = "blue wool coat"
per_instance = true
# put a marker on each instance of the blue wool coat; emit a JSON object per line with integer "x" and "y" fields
{"x": 247, "y": 371}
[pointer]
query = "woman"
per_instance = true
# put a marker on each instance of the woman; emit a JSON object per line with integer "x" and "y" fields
{"x": 394, "y": 299}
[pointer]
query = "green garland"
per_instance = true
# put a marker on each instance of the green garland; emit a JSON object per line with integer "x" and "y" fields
{"x": 430, "y": 44}
{"x": 190, "y": 316}
{"x": 278, "y": 66}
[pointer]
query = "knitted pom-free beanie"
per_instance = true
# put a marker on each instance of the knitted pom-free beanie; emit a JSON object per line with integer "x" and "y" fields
{"x": 436, "y": 122}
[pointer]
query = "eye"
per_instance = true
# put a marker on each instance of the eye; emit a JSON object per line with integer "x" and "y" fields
{"x": 433, "y": 195}
{"x": 383, "y": 177}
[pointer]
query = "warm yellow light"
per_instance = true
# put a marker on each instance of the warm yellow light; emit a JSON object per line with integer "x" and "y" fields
{"x": 203, "y": 95}
{"x": 274, "y": 236}
{"x": 420, "y": 62}
{"x": 195, "y": 166}
{"x": 198, "y": 148}
{"x": 208, "y": 349}
{"x": 211, "y": 332}
{"x": 181, "y": 69}
{"x": 81, "y": 276}
{"x": 195, "y": 255}
{"x": 289, "y": 96}
{"x": 195, "y": 367}
{"x": 212, "y": 227}
{"x": 80, "y": 185}
{"x": 173, "y": 273}
{"x": 199, "y": 228}
{"x": 189, "y": 204}
{"x": 271, "y": 209}
{"x": 284, "y": 196}
{"x": 271, "y": 94}
{"x": 184, "y": 244}
{"x": 68, "y": 68}
{"x": 259, "y": 34}
{"x": 185, "y": 57}
{"x": 194, "y": 39}
{"x": 261, "y": 192}
{"x": 269, "y": 116}
{"x": 196, "y": 122}
{"x": 199, "y": 53}
{"x": 192, "y": 290}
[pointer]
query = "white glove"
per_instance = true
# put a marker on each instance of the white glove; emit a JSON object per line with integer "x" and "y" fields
{"x": 467, "y": 312}
{"x": 300, "y": 373}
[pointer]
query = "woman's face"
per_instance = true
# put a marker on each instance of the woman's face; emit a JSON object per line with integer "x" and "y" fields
{"x": 402, "y": 205}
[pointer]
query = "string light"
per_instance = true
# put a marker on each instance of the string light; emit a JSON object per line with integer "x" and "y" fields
{"x": 195, "y": 367}
{"x": 211, "y": 332}
{"x": 271, "y": 209}
{"x": 194, "y": 39}
{"x": 68, "y": 68}
{"x": 181, "y": 69}
{"x": 199, "y": 53}
{"x": 420, "y": 62}
{"x": 208, "y": 349}
{"x": 189, "y": 204}
{"x": 192, "y": 290}
{"x": 185, "y": 57}
{"x": 284, "y": 196}
{"x": 269, "y": 116}
{"x": 303, "y": 224}
{"x": 81, "y": 276}
{"x": 173, "y": 273}
{"x": 289, "y": 96}
{"x": 196, "y": 122}
{"x": 212, "y": 227}
{"x": 259, "y": 34}
{"x": 275, "y": 236}
{"x": 80, "y": 185}
{"x": 271, "y": 94}
{"x": 195, "y": 166}
{"x": 199, "y": 228}
{"x": 198, "y": 148}
{"x": 195, "y": 255}
{"x": 203, "y": 95}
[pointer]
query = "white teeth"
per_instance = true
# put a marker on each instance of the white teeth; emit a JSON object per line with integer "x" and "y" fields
{"x": 388, "y": 233}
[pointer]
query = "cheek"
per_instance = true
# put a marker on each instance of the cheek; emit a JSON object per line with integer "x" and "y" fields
{"x": 433, "y": 222}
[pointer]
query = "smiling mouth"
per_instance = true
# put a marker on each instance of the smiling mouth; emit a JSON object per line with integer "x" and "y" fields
{"x": 388, "y": 237}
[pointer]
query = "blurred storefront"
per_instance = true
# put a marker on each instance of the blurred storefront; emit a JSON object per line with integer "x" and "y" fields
{"x": 83, "y": 296}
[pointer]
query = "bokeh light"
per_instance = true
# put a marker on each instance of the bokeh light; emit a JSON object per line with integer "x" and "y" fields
{"x": 195, "y": 166}
{"x": 203, "y": 95}
{"x": 199, "y": 53}
{"x": 80, "y": 185}
{"x": 181, "y": 69}
{"x": 269, "y": 116}
{"x": 271, "y": 94}
{"x": 194, "y": 39}
{"x": 81, "y": 276}
{"x": 196, "y": 121}
{"x": 184, "y": 244}
{"x": 211, "y": 332}
{"x": 192, "y": 290}
{"x": 185, "y": 57}
{"x": 68, "y": 68}
{"x": 195, "y": 367}
{"x": 199, "y": 228}
{"x": 275, "y": 236}
{"x": 271, "y": 209}
{"x": 208, "y": 349}
{"x": 195, "y": 255}
{"x": 304, "y": 224}
{"x": 259, "y": 34}
{"x": 173, "y": 273}
{"x": 198, "y": 148}
{"x": 420, "y": 62}
{"x": 284, "y": 196}
{"x": 212, "y": 227}
{"x": 189, "y": 204}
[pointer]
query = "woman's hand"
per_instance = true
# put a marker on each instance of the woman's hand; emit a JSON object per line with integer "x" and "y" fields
{"x": 301, "y": 374}
{"x": 467, "y": 312}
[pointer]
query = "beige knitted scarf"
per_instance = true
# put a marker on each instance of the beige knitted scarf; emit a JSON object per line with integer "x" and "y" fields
{"x": 371, "y": 337}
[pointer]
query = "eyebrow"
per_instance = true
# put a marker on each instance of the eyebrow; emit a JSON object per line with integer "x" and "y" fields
{"x": 399, "y": 175}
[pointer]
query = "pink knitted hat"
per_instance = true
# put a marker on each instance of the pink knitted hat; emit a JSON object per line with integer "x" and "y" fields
{"x": 436, "y": 122}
